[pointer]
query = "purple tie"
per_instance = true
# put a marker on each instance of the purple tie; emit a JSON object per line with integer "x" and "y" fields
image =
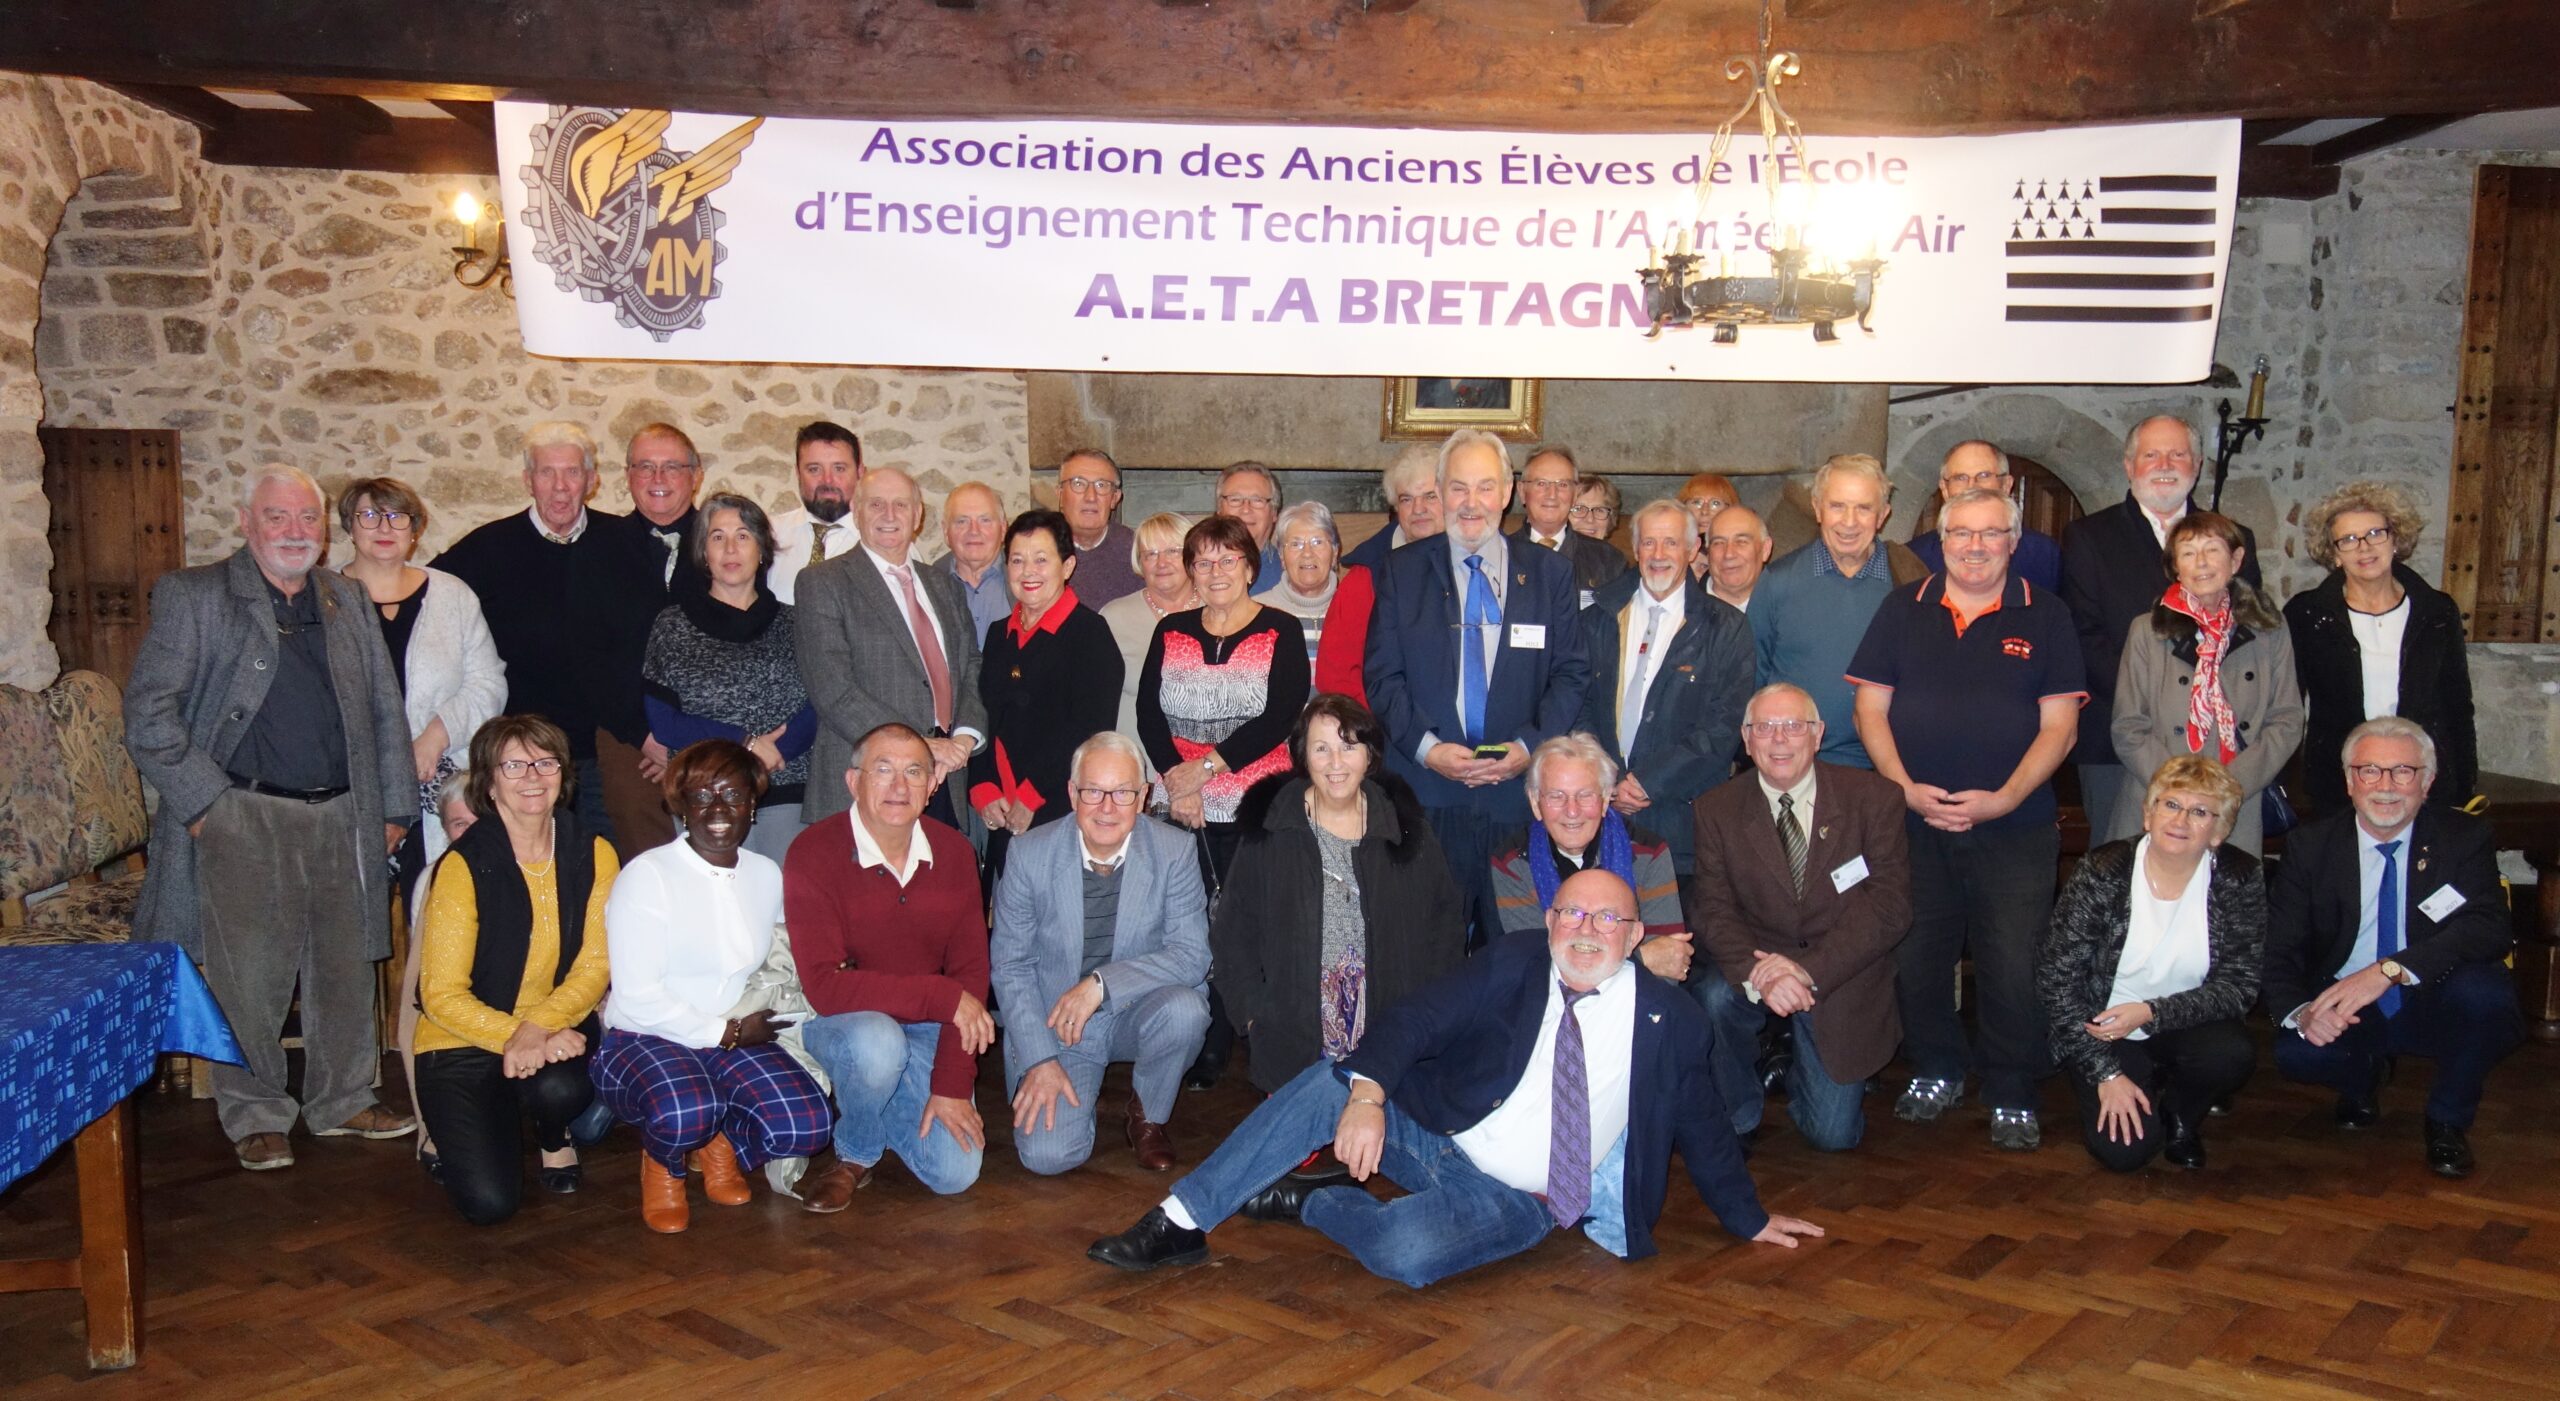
{"x": 1569, "y": 1152}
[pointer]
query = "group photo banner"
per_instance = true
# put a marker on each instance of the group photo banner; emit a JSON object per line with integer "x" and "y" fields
{"x": 2084, "y": 256}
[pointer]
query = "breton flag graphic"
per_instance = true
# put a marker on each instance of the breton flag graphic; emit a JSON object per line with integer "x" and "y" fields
{"x": 2114, "y": 248}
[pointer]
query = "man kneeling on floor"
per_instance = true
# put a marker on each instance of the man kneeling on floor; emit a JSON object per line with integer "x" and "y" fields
{"x": 1542, "y": 1085}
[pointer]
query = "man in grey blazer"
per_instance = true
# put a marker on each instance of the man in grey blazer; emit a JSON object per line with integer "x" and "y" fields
{"x": 1101, "y": 954}
{"x": 264, "y": 710}
{"x": 882, "y": 638}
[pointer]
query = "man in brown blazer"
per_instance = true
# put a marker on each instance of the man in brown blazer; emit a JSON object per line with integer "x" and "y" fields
{"x": 1803, "y": 888}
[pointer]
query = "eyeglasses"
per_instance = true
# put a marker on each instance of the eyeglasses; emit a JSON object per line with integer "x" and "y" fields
{"x": 1167, "y": 552}
{"x": 661, "y": 469}
{"x": 516, "y": 768}
{"x": 1962, "y": 538}
{"x": 1238, "y": 501}
{"x": 2379, "y": 535}
{"x": 397, "y": 520}
{"x": 2370, "y": 774}
{"x": 2174, "y": 810}
{"x": 1781, "y": 729}
{"x": 1116, "y": 797}
{"x": 1954, "y": 482}
{"x": 1306, "y": 544}
{"x": 1605, "y": 921}
{"x": 1218, "y": 564}
{"x": 1089, "y": 486}
{"x": 1557, "y": 797}
{"x": 1590, "y": 513}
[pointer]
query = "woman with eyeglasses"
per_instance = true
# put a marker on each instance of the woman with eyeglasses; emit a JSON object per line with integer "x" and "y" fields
{"x": 2209, "y": 670}
{"x": 1310, "y": 550}
{"x": 450, "y": 677}
{"x": 2374, "y": 639}
{"x": 512, "y": 962}
{"x": 2150, "y": 963}
{"x": 1595, "y": 506}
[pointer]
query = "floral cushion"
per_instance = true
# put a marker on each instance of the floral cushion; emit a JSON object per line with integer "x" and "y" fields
{"x": 39, "y": 842}
{"x": 106, "y": 792}
{"x": 82, "y": 914}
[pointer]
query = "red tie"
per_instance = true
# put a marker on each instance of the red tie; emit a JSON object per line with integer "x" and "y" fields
{"x": 937, "y": 672}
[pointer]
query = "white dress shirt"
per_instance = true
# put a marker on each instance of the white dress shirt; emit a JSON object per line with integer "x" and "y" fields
{"x": 1112, "y": 862}
{"x": 1802, "y": 793}
{"x": 1636, "y": 667}
{"x": 1510, "y": 1145}
{"x": 576, "y": 529}
{"x": 2160, "y": 524}
{"x": 2378, "y": 654}
{"x": 867, "y": 852}
{"x": 2165, "y": 945}
{"x": 793, "y": 535}
{"x": 683, "y": 936}
{"x": 2368, "y": 943}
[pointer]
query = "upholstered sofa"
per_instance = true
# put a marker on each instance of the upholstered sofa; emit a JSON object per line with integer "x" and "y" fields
{"x": 70, "y": 806}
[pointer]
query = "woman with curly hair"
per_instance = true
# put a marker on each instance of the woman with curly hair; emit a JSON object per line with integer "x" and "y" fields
{"x": 2374, "y": 639}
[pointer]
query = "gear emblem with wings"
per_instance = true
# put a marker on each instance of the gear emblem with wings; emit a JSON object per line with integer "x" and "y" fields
{"x": 619, "y": 218}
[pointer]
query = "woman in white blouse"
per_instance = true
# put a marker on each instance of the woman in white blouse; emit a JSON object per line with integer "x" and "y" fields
{"x": 2151, "y": 961}
{"x": 686, "y": 926}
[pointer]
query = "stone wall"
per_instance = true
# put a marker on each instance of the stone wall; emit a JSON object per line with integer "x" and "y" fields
{"x": 2357, "y": 301}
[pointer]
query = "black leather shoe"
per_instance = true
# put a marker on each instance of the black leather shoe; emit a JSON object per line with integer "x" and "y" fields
{"x": 2358, "y": 1111}
{"x": 2185, "y": 1145}
{"x": 1154, "y": 1241}
{"x": 1284, "y": 1200}
{"x": 1204, "y": 1072}
{"x": 2220, "y": 1108}
{"x": 2448, "y": 1150}
{"x": 562, "y": 1180}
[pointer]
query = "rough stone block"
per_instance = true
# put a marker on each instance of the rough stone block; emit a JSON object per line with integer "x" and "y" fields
{"x": 133, "y": 251}
{"x": 370, "y": 386}
{"x": 117, "y": 338}
{"x": 300, "y": 282}
{"x": 457, "y": 350}
{"x": 185, "y": 335}
{"x": 153, "y": 289}
{"x": 346, "y": 236}
{"x": 677, "y": 380}
{"x": 71, "y": 289}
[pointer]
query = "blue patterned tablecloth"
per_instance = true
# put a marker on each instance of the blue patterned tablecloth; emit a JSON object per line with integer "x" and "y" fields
{"x": 82, "y": 1025}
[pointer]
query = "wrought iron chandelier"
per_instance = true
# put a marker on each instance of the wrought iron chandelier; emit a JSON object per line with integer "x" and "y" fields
{"x": 1796, "y": 291}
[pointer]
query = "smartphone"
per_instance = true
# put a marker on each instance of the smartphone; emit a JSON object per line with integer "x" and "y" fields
{"x": 1493, "y": 751}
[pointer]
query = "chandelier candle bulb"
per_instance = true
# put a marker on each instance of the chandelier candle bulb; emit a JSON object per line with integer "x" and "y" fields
{"x": 2258, "y": 390}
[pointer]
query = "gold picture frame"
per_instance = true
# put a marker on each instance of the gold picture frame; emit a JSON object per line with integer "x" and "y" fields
{"x": 1423, "y": 407}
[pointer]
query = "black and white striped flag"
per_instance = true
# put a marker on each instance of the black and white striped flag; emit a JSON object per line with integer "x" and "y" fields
{"x": 2114, "y": 248}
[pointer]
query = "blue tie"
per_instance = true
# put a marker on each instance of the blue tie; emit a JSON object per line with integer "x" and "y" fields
{"x": 1473, "y": 666}
{"x": 2386, "y": 921}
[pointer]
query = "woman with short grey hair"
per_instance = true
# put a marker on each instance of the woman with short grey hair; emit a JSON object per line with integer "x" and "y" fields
{"x": 1310, "y": 555}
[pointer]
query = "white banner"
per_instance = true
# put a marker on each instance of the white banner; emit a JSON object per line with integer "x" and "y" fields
{"x": 2091, "y": 255}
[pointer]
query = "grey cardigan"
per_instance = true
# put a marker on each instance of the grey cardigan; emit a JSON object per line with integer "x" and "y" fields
{"x": 202, "y": 673}
{"x": 2151, "y": 706}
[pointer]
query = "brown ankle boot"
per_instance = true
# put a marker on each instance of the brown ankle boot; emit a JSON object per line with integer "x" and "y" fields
{"x": 662, "y": 1203}
{"x": 718, "y": 1164}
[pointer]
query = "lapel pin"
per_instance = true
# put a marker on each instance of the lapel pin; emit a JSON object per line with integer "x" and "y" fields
{"x": 1656, "y": 1016}
{"x": 1520, "y": 579}
{"x": 1822, "y": 833}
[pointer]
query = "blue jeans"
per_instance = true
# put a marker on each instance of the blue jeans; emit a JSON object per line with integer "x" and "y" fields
{"x": 1831, "y": 1116}
{"x": 2466, "y": 1022}
{"x": 883, "y": 1073}
{"x": 1455, "y": 1219}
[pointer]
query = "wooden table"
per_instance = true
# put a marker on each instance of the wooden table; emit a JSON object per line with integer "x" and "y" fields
{"x": 108, "y": 1269}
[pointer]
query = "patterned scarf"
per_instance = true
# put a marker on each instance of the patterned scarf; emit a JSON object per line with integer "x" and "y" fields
{"x": 1615, "y": 851}
{"x": 2207, "y": 707}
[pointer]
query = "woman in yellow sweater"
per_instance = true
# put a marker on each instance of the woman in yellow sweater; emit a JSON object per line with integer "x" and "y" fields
{"x": 511, "y": 968}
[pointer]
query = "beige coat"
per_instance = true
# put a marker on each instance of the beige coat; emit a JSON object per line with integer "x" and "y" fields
{"x": 2151, "y": 707}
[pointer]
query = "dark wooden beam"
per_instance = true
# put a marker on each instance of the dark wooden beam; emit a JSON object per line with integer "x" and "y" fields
{"x": 2260, "y": 131}
{"x": 1616, "y": 11}
{"x": 2390, "y": 131}
{"x": 2284, "y": 172}
{"x": 476, "y": 115}
{"x": 422, "y": 146}
{"x": 193, "y": 105}
{"x": 1915, "y": 66}
{"x": 353, "y": 112}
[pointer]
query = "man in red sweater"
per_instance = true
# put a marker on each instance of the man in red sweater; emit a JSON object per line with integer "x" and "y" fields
{"x": 890, "y": 937}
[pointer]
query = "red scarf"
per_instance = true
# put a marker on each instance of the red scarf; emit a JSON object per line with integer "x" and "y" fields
{"x": 2207, "y": 708}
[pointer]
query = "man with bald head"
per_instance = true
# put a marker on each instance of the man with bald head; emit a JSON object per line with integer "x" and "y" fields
{"x": 1540, "y": 1087}
{"x": 265, "y": 712}
{"x": 883, "y": 639}
{"x": 1974, "y": 465}
{"x": 2112, "y": 572}
{"x": 973, "y": 530}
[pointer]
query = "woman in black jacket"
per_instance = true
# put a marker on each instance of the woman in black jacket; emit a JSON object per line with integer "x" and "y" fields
{"x": 2375, "y": 639}
{"x": 1050, "y": 677}
{"x": 1339, "y": 903}
{"x": 2151, "y": 961}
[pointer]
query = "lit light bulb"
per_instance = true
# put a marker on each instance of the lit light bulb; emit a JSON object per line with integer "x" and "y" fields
{"x": 467, "y": 209}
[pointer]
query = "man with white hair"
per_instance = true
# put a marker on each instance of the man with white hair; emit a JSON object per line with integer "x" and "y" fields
{"x": 1411, "y": 485}
{"x": 555, "y": 585}
{"x": 1473, "y": 660}
{"x": 1573, "y": 828}
{"x": 1812, "y": 606}
{"x": 264, "y": 710}
{"x": 1101, "y": 954}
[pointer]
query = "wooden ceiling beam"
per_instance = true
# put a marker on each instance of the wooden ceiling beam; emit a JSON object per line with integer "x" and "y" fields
{"x": 2390, "y": 131}
{"x": 1616, "y": 11}
{"x": 346, "y": 111}
{"x": 2284, "y": 172}
{"x": 193, "y": 105}
{"x": 421, "y": 146}
{"x": 1914, "y": 66}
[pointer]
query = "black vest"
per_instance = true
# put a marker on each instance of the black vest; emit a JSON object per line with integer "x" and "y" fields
{"x": 505, "y": 905}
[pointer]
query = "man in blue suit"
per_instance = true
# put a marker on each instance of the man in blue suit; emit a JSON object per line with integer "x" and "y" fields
{"x": 1474, "y": 659}
{"x": 1671, "y": 669}
{"x": 1542, "y": 1086}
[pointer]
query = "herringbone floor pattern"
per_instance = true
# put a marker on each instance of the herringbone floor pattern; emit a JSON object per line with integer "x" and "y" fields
{"x": 2304, "y": 1263}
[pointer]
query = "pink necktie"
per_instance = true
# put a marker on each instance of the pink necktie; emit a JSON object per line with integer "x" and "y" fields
{"x": 937, "y": 672}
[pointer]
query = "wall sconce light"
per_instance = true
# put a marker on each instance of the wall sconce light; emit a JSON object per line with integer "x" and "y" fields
{"x": 475, "y": 266}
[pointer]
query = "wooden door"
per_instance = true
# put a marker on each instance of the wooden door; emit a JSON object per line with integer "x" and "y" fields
{"x": 115, "y": 530}
{"x": 2501, "y": 552}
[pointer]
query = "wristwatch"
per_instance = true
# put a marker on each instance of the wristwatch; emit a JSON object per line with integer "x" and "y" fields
{"x": 2392, "y": 969}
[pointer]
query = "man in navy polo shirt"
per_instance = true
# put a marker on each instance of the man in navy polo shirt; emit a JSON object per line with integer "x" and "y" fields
{"x": 1969, "y": 691}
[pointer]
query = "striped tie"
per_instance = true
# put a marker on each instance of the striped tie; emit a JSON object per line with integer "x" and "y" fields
{"x": 1569, "y": 1150}
{"x": 1791, "y": 836}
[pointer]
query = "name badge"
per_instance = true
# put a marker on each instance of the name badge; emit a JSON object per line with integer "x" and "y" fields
{"x": 1848, "y": 873}
{"x": 2445, "y": 901}
{"x": 1532, "y": 635}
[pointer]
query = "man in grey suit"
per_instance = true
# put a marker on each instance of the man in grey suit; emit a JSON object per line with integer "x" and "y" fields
{"x": 882, "y": 639}
{"x": 264, "y": 710}
{"x": 1101, "y": 954}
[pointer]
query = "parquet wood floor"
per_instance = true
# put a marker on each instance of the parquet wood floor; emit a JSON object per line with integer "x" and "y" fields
{"x": 2304, "y": 1263}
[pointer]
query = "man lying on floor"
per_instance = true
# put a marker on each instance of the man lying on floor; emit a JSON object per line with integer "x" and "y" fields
{"x": 1542, "y": 1085}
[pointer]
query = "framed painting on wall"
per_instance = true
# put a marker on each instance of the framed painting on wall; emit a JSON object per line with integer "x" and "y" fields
{"x": 1420, "y": 407}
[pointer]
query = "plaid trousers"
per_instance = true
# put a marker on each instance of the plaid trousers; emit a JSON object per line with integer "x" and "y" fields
{"x": 679, "y": 1096}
